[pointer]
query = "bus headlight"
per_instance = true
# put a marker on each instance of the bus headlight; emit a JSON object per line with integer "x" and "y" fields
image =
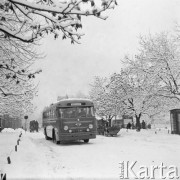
{"x": 65, "y": 128}
{"x": 90, "y": 126}
{"x": 70, "y": 131}
{"x": 87, "y": 129}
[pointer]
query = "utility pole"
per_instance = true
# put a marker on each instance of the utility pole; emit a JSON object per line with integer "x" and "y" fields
{"x": 0, "y": 121}
{"x": 25, "y": 117}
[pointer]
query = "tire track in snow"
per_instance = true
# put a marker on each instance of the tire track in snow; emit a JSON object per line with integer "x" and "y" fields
{"x": 53, "y": 156}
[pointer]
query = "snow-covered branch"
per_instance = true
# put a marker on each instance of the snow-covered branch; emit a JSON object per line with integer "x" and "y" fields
{"x": 33, "y": 19}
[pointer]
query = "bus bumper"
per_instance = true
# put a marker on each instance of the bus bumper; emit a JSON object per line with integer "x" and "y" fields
{"x": 74, "y": 136}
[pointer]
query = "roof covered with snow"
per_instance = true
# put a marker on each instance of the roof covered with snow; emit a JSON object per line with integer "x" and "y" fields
{"x": 72, "y": 102}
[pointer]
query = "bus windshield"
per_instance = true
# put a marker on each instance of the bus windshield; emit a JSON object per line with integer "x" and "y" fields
{"x": 76, "y": 112}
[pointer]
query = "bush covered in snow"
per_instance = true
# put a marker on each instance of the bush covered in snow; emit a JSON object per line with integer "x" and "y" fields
{"x": 19, "y": 130}
{"x": 8, "y": 130}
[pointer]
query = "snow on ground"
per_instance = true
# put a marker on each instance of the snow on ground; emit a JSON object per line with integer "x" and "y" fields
{"x": 99, "y": 159}
{"x": 20, "y": 130}
{"x": 8, "y": 140}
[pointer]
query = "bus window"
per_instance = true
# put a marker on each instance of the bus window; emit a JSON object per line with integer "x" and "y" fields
{"x": 92, "y": 111}
{"x": 61, "y": 113}
{"x": 67, "y": 112}
{"x": 70, "y": 112}
{"x": 81, "y": 112}
{"x": 89, "y": 112}
{"x": 76, "y": 112}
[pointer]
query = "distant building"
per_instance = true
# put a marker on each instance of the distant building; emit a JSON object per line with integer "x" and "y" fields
{"x": 123, "y": 121}
{"x": 117, "y": 122}
{"x": 127, "y": 119}
{"x": 9, "y": 122}
{"x": 101, "y": 122}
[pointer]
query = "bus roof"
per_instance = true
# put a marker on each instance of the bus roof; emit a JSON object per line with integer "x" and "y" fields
{"x": 74, "y": 102}
{"x": 71, "y": 103}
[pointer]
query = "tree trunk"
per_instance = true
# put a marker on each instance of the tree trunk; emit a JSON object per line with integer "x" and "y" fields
{"x": 138, "y": 124}
{"x": 109, "y": 122}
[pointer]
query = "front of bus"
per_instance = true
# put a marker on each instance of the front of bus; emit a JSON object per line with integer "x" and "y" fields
{"x": 77, "y": 120}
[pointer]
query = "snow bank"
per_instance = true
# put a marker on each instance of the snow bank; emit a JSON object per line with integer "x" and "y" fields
{"x": 20, "y": 130}
{"x": 7, "y": 130}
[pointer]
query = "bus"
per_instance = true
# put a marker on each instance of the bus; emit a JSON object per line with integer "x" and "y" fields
{"x": 69, "y": 120}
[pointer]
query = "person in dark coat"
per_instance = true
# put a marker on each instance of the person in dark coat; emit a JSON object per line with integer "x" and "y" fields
{"x": 132, "y": 125}
{"x": 143, "y": 124}
{"x": 128, "y": 126}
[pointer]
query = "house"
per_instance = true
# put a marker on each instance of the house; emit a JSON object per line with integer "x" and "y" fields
{"x": 9, "y": 122}
{"x": 122, "y": 121}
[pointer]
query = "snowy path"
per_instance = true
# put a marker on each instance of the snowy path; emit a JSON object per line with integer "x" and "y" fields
{"x": 99, "y": 159}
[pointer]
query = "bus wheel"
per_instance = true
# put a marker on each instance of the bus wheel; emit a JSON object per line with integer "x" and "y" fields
{"x": 46, "y": 137}
{"x": 54, "y": 138}
{"x": 86, "y": 140}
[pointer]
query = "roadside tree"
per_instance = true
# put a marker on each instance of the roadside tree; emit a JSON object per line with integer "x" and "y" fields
{"x": 28, "y": 21}
{"x": 137, "y": 93}
{"x": 159, "y": 56}
{"x": 23, "y": 24}
{"x": 106, "y": 104}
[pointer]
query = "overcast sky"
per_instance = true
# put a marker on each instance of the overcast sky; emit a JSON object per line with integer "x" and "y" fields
{"x": 68, "y": 69}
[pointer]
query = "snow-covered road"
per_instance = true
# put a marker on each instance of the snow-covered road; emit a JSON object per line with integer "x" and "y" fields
{"x": 99, "y": 159}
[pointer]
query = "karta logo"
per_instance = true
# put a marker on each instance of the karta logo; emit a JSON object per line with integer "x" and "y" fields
{"x": 130, "y": 170}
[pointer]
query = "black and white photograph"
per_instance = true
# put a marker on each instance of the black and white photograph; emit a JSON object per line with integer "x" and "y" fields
{"x": 89, "y": 89}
